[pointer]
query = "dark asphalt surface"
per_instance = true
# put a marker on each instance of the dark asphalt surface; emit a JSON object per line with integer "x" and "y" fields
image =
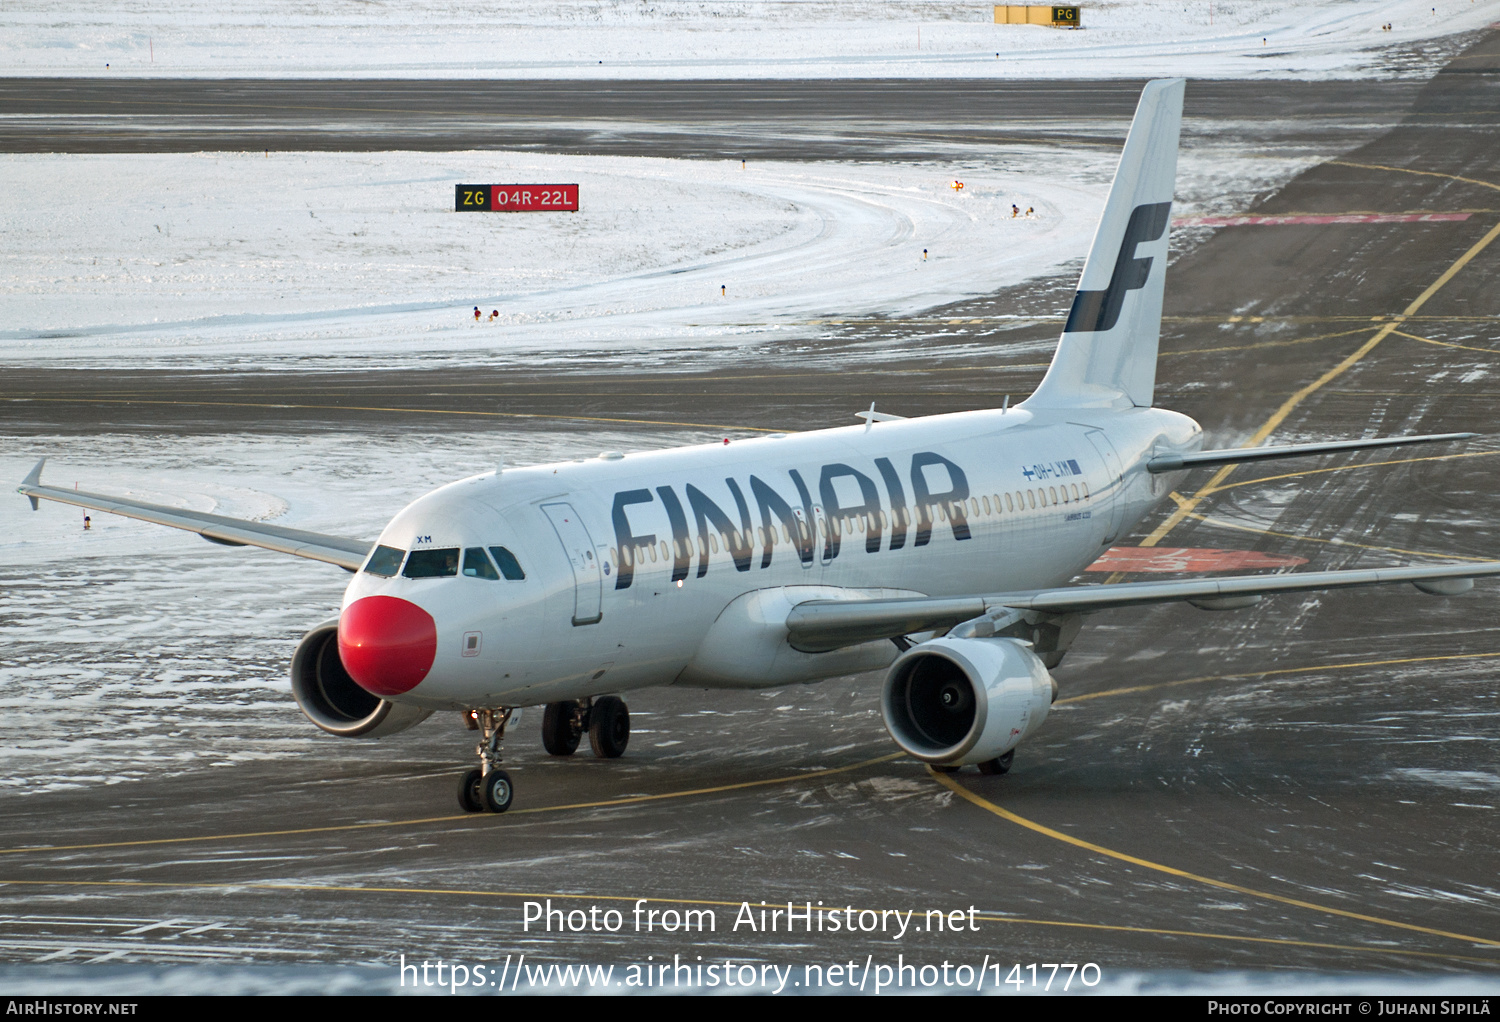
{"x": 1309, "y": 784}
{"x": 784, "y": 120}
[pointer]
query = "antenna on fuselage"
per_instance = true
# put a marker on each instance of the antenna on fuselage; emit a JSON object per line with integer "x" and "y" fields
{"x": 499, "y": 466}
{"x": 870, "y": 418}
{"x": 1004, "y": 407}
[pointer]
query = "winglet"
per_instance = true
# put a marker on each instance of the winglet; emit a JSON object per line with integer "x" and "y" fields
{"x": 33, "y": 478}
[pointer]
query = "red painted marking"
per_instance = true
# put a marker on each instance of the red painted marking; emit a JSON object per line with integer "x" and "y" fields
{"x": 533, "y": 198}
{"x": 1165, "y": 559}
{"x": 1331, "y": 218}
{"x": 387, "y": 644}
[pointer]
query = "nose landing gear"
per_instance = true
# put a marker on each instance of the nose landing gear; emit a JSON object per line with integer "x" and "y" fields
{"x": 487, "y": 788}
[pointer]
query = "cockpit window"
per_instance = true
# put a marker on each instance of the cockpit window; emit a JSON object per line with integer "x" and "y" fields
{"x": 477, "y": 565}
{"x": 385, "y": 561}
{"x": 509, "y": 566}
{"x": 432, "y": 563}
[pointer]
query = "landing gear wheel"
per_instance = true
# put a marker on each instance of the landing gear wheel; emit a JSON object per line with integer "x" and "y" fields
{"x": 496, "y": 791}
{"x": 560, "y": 731}
{"x": 997, "y": 766}
{"x": 609, "y": 727}
{"x": 468, "y": 791}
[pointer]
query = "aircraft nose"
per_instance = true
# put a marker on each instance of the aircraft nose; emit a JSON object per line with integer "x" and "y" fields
{"x": 387, "y": 644}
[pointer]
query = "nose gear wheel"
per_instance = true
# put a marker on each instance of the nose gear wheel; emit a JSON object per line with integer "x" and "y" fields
{"x": 487, "y": 788}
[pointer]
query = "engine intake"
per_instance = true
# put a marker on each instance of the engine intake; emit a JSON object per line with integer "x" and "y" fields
{"x": 332, "y": 700}
{"x": 958, "y": 701}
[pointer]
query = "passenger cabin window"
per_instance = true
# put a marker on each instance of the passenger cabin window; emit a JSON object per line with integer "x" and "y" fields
{"x": 509, "y": 566}
{"x": 432, "y": 563}
{"x": 385, "y": 561}
{"x": 477, "y": 565}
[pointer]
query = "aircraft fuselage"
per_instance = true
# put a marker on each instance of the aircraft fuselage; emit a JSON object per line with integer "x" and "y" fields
{"x": 630, "y": 561}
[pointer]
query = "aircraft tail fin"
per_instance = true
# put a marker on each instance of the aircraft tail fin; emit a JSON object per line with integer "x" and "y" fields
{"x": 1107, "y": 354}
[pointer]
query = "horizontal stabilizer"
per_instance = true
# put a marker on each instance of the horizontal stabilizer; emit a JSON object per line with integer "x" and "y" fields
{"x": 1178, "y": 462}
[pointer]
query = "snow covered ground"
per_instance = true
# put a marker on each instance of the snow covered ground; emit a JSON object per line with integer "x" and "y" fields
{"x": 727, "y": 38}
{"x": 238, "y": 257}
{"x": 330, "y": 253}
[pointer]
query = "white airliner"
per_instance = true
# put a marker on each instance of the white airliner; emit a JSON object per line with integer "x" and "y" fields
{"x": 933, "y": 548}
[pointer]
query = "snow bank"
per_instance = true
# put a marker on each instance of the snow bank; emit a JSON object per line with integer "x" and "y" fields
{"x": 320, "y": 254}
{"x": 728, "y": 38}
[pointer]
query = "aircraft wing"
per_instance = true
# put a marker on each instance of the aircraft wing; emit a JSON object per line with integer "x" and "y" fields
{"x": 821, "y": 625}
{"x": 346, "y": 553}
{"x": 1235, "y": 456}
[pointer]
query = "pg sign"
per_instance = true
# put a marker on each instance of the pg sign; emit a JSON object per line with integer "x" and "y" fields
{"x": 1032, "y": 14}
{"x": 515, "y": 198}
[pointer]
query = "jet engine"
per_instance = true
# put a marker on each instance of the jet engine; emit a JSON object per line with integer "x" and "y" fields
{"x": 333, "y": 701}
{"x": 951, "y": 702}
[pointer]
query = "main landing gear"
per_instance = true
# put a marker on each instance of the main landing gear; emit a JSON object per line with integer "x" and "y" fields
{"x": 998, "y": 765}
{"x": 606, "y": 720}
{"x": 487, "y": 787}
{"x": 990, "y": 767}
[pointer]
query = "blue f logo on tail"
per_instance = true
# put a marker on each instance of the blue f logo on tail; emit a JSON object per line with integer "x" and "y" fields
{"x": 1095, "y": 311}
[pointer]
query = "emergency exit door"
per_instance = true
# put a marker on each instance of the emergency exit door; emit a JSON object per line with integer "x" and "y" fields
{"x": 588, "y": 576}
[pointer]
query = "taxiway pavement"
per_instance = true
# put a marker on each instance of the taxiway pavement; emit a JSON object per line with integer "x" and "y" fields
{"x": 1308, "y": 784}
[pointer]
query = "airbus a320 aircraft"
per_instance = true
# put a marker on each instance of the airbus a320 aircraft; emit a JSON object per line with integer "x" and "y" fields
{"x": 933, "y": 548}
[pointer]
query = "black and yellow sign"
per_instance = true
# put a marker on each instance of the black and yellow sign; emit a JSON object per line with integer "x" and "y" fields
{"x": 1031, "y": 14}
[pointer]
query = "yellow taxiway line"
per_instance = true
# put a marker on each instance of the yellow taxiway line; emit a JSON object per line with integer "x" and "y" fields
{"x": 381, "y": 824}
{"x": 1182, "y": 874}
{"x": 1278, "y": 672}
{"x": 1290, "y": 404}
{"x": 407, "y": 411}
{"x": 1445, "y": 344}
{"x": 714, "y": 903}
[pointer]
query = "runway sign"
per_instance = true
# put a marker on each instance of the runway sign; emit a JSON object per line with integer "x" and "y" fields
{"x": 515, "y": 198}
{"x": 1032, "y": 14}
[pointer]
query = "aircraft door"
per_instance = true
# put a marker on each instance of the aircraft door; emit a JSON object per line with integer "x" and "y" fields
{"x": 588, "y": 577}
{"x": 809, "y": 530}
{"x": 1114, "y": 489}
